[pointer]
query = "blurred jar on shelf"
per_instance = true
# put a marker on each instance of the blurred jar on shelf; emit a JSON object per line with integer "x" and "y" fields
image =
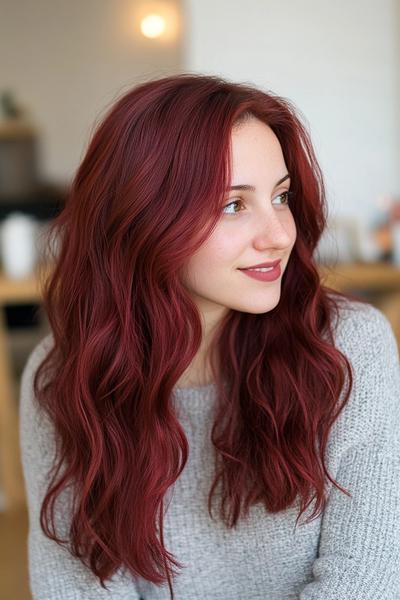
{"x": 18, "y": 245}
{"x": 387, "y": 230}
{"x": 18, "y": 150}
{"x": 347, "y": 240}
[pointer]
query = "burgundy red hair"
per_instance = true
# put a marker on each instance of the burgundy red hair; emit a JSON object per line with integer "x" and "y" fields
{"x": 147, "y": 194}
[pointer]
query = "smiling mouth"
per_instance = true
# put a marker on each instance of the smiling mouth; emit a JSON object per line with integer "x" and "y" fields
{"x": 264, "y": 274}
{"x": 265, "y": 265}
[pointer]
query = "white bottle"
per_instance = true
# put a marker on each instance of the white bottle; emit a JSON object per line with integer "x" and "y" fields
{"x": 18, "y": 233}
{"x": 395, "y": 230}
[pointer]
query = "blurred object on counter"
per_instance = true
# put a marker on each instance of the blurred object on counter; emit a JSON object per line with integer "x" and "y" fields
{"x": 336, "y": 243}
{"x": 387, "y": 229}
{"x": 394, "y": 224}
{"x": 367, "y": 249}
{"x": 383, "y": 237}
{"x": 358, "y": 239}
{"x": 18, "y": 238}
{"x": 9, "y": 108}
{"x": 18, "y": 150}
{"x": 345, "y": 241}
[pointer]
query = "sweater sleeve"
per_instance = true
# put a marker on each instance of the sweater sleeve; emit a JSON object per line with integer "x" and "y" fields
{"x": 359, "y": 548}
{"x": 54, "y": 574}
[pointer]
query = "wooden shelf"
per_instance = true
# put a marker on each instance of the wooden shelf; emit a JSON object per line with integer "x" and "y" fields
{"x": 13, "y": 291}
{"x": 376, "y": 277}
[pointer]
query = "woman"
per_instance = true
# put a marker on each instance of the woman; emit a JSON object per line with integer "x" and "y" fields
{"x": 197, "y": 426}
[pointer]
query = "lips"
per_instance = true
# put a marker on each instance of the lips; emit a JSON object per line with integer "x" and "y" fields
{"x": 265, "y": 264}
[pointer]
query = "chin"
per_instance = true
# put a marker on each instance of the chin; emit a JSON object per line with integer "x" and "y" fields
{"x": 262, "y": 311}
{"x": 259, "y": 308}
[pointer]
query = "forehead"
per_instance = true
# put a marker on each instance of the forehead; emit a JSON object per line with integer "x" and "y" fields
{"x": 255, "y": 146}
{"x": 253, "y": 132}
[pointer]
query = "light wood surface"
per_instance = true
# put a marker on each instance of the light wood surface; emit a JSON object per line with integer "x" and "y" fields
{"x": 14, "y": 573}
{"x": 12, "y": 292}
{"x": 380, "y": 280}
{"x": 374, "y": 277}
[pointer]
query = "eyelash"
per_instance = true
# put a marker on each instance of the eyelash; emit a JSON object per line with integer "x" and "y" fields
{"x": 287, "y": 195}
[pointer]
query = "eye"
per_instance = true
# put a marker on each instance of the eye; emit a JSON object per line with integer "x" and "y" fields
{"x": 286, "y": 197}
{"x": 230, "y": 204}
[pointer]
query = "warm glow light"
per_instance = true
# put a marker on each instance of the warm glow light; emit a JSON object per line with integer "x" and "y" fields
{"x": 152, "y": 26}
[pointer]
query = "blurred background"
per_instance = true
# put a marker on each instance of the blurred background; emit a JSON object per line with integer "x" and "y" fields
{"x": 62, "y": 65}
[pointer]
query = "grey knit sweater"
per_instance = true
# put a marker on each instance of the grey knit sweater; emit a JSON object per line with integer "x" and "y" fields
{"x": 351, "y": 552}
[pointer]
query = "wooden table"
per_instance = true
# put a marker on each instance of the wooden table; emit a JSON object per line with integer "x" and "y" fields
{"x": 379, "y": 278}
{"x": 23, "y": 291}
{"x": 380, "y": 281}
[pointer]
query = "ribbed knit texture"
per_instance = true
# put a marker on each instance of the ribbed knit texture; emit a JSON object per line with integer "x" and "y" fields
{"x": 351, "y": 552}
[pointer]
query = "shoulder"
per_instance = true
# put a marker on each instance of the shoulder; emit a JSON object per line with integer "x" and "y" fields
{"x": 365, "y": 336}
{"x": 359, "y": 322}
{"x": 36, "y": 356}
{"x": 35, "y": 428}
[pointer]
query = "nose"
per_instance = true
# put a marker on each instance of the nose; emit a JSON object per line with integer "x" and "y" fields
{"x": 274, "y": 231}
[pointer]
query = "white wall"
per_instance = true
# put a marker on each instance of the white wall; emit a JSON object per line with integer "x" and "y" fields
{"x": 67, "y": 60}
{"x": 339, "y": 62}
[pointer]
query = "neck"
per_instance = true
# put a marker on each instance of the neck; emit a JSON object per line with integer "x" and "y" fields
{"x": 199, "y": 371}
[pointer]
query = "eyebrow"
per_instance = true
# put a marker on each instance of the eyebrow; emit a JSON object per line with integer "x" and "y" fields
{"x": 251, "y": 188}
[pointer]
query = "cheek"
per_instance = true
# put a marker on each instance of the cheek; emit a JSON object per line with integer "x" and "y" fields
{"x": 294, "y": 231}
{"x": 218, "y": 253}
{"x": 223, "y": 250}
{"x": 290, "y": 228}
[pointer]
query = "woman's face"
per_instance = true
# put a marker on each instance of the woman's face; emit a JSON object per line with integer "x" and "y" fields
{"x": 256, "y": 226}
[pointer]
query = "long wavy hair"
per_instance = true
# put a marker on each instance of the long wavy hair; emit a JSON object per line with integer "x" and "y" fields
{"x": 147, "y": 194}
